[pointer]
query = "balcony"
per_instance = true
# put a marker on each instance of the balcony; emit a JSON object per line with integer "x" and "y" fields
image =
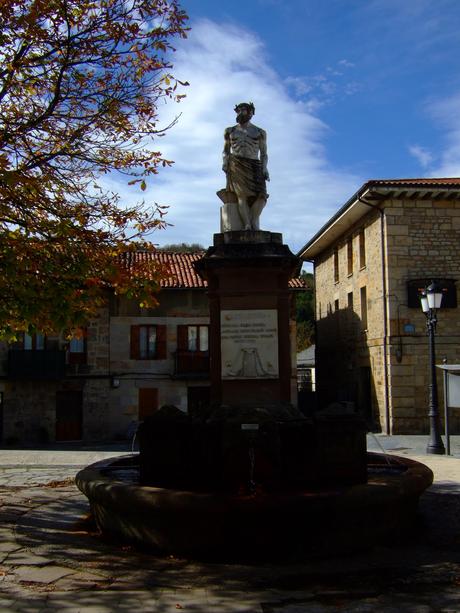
{"x": 44, "y": 364}
{"x": 192, "y": 364}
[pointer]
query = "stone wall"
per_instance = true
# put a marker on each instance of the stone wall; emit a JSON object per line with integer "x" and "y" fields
{"x": 28, "y": 411}
{"x": 108, "y": 408}
{"x": 109, "y": 381}
{"x": 421, "y": 240}
{"x": 345, "y": 348}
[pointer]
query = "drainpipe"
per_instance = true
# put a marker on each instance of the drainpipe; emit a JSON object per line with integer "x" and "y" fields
{"x": 385, "y": 314}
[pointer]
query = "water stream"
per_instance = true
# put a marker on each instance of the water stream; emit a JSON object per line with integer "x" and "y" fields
{"x": 385, "y": 454}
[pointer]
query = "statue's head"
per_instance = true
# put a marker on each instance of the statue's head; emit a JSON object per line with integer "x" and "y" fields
{"x": 244, "y": 111}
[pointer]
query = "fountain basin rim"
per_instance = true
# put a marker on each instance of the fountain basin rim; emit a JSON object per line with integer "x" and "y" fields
{"x": 230, "y": 527}
{"x": 97, "y": 484}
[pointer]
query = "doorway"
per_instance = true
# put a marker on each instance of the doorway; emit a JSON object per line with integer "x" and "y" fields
{"x": 147, "y": 402}
{"x": 69, "y": 415}
{"x": 198, "y": 401}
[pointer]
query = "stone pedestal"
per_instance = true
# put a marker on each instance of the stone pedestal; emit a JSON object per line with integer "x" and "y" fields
{"x": 230, "y": 217}
{"x": 248, "y": 273}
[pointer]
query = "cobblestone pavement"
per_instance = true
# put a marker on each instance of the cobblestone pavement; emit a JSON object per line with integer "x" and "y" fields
{"x": 52, "y": 559}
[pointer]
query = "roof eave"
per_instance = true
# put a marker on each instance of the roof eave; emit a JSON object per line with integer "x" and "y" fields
{"x": 370, "y": 195}
{"x": 345, "y": 218}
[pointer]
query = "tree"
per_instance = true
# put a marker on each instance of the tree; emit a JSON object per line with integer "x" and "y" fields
{"x": 305, "y": 313}
{"x": 183, "y": 247}
{"x": 80, "y": 85}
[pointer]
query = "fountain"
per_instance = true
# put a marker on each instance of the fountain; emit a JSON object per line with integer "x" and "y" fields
{"x": 254, "y": 477}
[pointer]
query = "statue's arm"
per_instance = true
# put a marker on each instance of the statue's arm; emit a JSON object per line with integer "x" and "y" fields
{"x": 263, "y": 153}
{"x": 226, "y": 152}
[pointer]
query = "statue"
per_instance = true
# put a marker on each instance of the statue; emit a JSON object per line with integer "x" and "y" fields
{"x": 245, "y": 164}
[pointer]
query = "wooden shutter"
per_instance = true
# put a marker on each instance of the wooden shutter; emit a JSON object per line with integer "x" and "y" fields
{"x": 135, "y": 353}
{"x": 161, "y": 343}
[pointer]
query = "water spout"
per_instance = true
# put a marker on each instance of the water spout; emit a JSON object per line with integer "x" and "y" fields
{"x": 385, "y": 453}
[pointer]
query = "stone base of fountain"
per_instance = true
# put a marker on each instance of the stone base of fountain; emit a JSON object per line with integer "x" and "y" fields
{"x": 294, "y": 523}
{"x": 257, "y": 479}
{"x": 274, "y": 447}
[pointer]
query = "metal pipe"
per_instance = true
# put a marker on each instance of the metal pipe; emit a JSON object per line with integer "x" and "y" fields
{"x": 385, "y": 313}
{"x": 446, "y": 411}
{"x": 435, "y": 444}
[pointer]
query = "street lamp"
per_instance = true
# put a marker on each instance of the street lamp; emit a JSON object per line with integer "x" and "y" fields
{"x": 430, "y": 300}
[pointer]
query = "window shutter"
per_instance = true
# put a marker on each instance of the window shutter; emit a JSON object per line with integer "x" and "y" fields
{"x": 161, "y": 343}
{"x": 134, "y": 353}
{"x": 182, "y": 338}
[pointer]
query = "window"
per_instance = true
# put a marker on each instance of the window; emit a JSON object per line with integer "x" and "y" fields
{"x": 148, "y": 342}
{"x": 336, "y": 305}
{"x": 363, "y": 295}
{"x": 350, "y": 300}
{"x": 77, "y": 349}
{"x": 192, "y": 356}
{"x": 350, "y": 256}
{"x": 336, "y": 265}
{"x": 77, "y": 345}
{"x": 362, "y": 249}
{"x": 193, "y": 338}
{"x": 34, "y": 342}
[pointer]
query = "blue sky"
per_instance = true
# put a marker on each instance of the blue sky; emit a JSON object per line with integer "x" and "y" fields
{"x": 348, "y": 90}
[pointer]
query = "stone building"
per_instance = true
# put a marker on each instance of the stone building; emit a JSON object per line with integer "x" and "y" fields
{"x": 371, "y": 259}
{"x": 128, "y": 362}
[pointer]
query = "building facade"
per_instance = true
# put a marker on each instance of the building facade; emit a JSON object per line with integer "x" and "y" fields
{"x": 390, "y": 240}
{"x": 127, "y": 363}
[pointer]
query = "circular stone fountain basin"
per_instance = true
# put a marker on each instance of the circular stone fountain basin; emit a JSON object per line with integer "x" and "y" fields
{"x": 229, "y": 526}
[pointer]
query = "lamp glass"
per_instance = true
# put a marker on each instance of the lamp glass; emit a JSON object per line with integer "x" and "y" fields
{"x": 434, "y": 295}
{"x": 437, "y": 300}
{"x": 424, "y": 303}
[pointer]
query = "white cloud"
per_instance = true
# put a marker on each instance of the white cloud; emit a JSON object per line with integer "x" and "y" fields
{"x": 325, "y": 88}
{"x": 421, "y": 154}
{"x": 226, "y": 64}
{"x": 446, "y": 114}
{"x": 346, "y": 64}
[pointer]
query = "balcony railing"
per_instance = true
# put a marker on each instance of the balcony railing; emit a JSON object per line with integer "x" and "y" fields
{"x": 23, "y": 364}
{"x": 192, "y": 364}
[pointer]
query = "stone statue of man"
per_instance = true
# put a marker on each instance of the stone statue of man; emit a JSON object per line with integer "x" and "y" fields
{"x": 245, "y": 164}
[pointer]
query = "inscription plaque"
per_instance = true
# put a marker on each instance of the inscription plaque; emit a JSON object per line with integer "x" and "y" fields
{"x": 249, "y": 344}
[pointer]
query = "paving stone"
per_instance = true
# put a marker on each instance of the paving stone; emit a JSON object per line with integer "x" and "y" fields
{"x": 41, "y": 574}
{"x": 8, "y": 545}
{"x": 81, "y": 580}
{"x": 163, "y": 601}
{"x": 6, "y": 604}
{"x": 73, "y": 572}
{"x": 23, "y": 557}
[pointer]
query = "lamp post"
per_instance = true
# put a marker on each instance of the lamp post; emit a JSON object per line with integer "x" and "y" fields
{"x": 431, "y": 301}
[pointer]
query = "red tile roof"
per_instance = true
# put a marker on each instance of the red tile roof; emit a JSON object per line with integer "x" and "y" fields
{"x": 415, "y": 182}
{"x": 297, "y": 283}
{"x": 179, "y": 267}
